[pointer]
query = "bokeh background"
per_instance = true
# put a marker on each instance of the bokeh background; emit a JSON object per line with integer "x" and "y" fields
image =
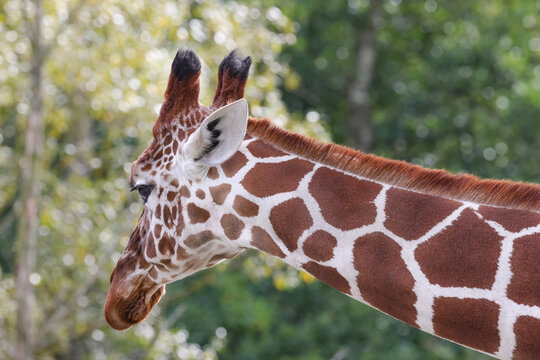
{"x": 442, "y": 83}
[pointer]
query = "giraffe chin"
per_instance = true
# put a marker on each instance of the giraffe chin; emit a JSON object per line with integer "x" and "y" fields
{"x": 122, "y": 313}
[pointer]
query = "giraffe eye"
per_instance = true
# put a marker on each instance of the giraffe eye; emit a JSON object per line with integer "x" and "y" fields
{"x": 144, "y": 190}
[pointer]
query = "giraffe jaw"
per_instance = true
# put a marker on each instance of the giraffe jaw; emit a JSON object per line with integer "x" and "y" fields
{"x": 122, "y": 313}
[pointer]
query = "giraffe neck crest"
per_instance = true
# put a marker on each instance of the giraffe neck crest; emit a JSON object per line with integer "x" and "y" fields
{"x": 499, "y": 193}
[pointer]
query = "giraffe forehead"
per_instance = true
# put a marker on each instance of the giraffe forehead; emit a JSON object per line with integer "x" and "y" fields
{"x": 167, "y": 142}
{"x": 183, "y": 123}
{"x": 156, "y": 158}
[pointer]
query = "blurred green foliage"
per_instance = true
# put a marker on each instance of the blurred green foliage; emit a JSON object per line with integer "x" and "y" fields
{"x": 456, "y": 86}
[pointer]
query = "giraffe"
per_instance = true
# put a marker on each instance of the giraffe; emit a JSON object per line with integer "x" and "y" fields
{"x": 453, "y": 255}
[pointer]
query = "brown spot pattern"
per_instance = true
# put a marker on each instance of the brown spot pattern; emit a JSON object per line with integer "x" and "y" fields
{"x": 150, "y": 246}
{"x": 157, "y": 213}
{"x": 232, "y": 226}
{"x": 181, "y": 253}
{"x": 527, "y": 330}
{"x": 405, "y": 208}
{"x": 463, "y": 254}
{"x": 320, "y": 246}
{"x": 471, "y": 322}
{"x": 219, "y": 193}
{"x": 200, "y": 194}
{"x": 235, "y": 163}
{"x": 166, "y": 243}
{"x": 184, "y": 192}
{"x": 348, "y": 203}
{"x": 383, "y": 278}
{"x": 270, "y": 179}
{"x": 197, "y": 214}
{"x": 197, "y": 240}
{"x": 263, "y": 241}
{"x": 180, "y": 226}
{"x": 213, "y": 173}
{"x": 167, "y": 216}
{"x": 153, "y": 273}
{"x": 171, "y": 195}
{"x": 168, "y": 139}
{"x": 289, "y": 220}
{"x": 510, "y": 219}
{"x": 524, "y": 287}
{"x": 328, "y": 275}
{"x": 262, "y": 150}
{"x": 157, "y": 231}
{"x": 245, "y": 207}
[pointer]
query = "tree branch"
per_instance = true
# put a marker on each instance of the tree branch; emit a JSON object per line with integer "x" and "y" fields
{"x": 360, "y": 124}
{"x": 30, "y": 174}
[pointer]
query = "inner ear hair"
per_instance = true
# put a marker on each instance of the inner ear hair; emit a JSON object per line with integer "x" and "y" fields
{"x": 214, "y": 138}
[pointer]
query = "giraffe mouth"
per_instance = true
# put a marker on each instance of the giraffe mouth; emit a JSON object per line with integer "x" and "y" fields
{"x": 122, "y": 313}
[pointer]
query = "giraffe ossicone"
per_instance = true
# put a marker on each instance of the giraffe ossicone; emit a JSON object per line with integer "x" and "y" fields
{"x": 453, "y": 255}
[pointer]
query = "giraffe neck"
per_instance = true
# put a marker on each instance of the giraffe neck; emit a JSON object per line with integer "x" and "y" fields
{"x": 328, "y": 223}
{"x": 441, "y": 265}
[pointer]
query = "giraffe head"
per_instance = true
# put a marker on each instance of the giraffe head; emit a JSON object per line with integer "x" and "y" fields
{"x": 173, "y": 237}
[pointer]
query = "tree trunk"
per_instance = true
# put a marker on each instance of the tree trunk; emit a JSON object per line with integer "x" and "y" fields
{"x": 359, "y": 122}
{"x": 30, "y": 191}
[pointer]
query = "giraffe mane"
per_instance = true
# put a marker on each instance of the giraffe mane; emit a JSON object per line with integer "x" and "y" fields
{"x": 464, "y": 187}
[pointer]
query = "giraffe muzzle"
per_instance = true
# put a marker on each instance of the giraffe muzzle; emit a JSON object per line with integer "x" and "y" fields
{"x": 123, "y": 312}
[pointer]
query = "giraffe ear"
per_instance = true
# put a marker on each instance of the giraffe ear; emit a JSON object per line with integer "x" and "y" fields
{"x": 218, "y": 137}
